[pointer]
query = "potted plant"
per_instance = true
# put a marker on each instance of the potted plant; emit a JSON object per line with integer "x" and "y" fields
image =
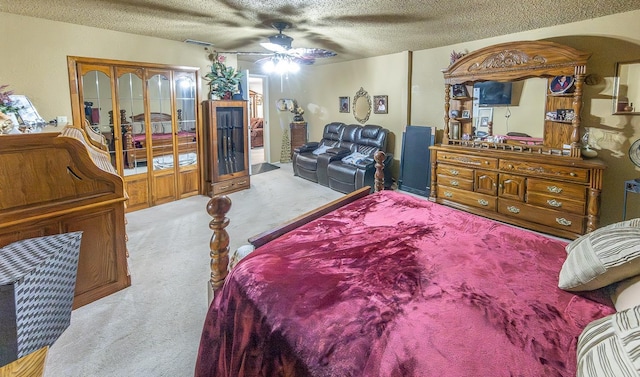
{"x": 223, "y": 80}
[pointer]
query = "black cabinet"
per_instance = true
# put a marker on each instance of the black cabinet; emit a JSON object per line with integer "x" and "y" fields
{"x": 415, "y": 164}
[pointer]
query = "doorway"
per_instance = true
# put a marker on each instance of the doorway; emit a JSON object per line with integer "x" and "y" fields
{"x": 258, "y": 119}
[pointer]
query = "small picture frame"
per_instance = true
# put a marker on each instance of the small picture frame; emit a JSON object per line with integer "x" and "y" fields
{"x": 343, "y": 104}
{"x": 561, "y": 84}
{"x": 459, "y": 90}
{"x": 380, "y": 105}
{"x": 466, "y": 114}
{"x": 483, "y": 122}
{"x": 454, "y": 113}
{"x": 284, "y": 104}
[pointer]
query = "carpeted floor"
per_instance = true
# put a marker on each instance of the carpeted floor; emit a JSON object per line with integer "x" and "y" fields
{"x": 263, "y": 168}
{"x": 153, "y": 327}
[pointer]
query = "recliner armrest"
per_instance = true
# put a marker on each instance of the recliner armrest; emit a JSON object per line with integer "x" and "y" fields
{"x": 308, "y": 147}
{"x": 337, "y": 151}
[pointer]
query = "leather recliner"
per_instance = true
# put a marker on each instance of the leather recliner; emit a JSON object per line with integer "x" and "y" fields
{"x": 306, "y": 158}
{"x": 357, "y": 170}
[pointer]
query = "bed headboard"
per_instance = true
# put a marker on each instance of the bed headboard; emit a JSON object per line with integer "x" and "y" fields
{"x": 161, "y": 123}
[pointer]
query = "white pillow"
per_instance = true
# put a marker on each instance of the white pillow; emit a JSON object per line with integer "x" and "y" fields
{"x": 239, "y": 254}
{"x": 320, "y": 150}
{"x": 354, "y": 158}
{"x": 611, "y": 346}
{"x": 605, "y": 256}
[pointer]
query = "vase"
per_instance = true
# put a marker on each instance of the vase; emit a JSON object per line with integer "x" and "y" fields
{"x": 227, "y": 95}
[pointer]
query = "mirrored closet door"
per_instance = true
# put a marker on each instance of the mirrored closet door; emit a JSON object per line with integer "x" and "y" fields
{"x": 148, "y": 115}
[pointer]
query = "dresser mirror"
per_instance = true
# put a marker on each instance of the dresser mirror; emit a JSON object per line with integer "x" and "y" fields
{"x": 626, "y": 92}
{"x": 514, "y": 62}
{"x": 362, "y": 106}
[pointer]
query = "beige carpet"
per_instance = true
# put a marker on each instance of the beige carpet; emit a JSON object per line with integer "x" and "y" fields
{"x": 153, "y": 327}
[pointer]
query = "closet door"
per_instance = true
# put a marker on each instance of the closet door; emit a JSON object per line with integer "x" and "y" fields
{"x": 161, "y": 131}
{"x": 148, "y": 114}
{"x": 130, "y": 110}
{"x": 96, "y": 96}
{"x": 187, "y": 142}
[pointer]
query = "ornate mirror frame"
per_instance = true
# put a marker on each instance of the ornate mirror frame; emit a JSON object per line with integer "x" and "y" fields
{"x": 514, "y": 61}
{"x": 361, "y": 106}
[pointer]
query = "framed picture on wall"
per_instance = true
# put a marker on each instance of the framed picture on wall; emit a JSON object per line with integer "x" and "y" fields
{"x": 380, "y": 105}
{"x": 344, "y": 104}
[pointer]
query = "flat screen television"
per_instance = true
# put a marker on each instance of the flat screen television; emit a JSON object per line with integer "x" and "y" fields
{"x": 493, "y": 93}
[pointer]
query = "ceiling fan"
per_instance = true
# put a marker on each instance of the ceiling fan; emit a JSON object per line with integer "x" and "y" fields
{"x": 282, "y": 56}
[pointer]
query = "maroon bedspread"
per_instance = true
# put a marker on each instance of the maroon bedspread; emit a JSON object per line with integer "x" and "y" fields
{"x": 392, "y": 285}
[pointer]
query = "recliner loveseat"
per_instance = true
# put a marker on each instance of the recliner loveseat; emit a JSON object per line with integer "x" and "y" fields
{"x": 345, "y": 164}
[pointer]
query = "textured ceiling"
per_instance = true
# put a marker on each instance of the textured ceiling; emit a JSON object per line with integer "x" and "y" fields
{"x": 353, "y": 29}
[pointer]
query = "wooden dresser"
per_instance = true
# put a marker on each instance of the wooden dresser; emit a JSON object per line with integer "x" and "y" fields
{"x": 298, "y": 135}
{"x": 539, "y": 192}
{"x": 542, "y": 184}
{"x": 56, "y": 184}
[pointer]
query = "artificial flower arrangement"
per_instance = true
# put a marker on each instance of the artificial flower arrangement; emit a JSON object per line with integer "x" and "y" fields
{"x": 6, "y": 107}
{"x": 223, "y": 80}
{"x": 6, "y": 103}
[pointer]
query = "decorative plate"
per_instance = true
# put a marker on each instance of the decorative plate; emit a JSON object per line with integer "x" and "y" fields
{"x": 561, "y": 84}
{"x": 634, "y": 153}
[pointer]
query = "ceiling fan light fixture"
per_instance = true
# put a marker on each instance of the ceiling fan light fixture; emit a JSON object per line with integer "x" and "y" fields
{"x": 280, "y": 64}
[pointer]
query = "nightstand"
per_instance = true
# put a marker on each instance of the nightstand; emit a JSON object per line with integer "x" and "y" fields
{"x": 629, "y": 186}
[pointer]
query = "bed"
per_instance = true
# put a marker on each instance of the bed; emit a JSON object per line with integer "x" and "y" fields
{"x": 393, "y": 285}
{"x": 135, "y": 139}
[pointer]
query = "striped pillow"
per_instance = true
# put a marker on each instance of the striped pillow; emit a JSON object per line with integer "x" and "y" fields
{"x": 602, "y": 257}
{"x": 611, "y": 346}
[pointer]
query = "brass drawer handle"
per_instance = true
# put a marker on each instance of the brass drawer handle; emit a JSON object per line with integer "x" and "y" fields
{"x": 448, "y": 194}
{"x": 513, "y": 209}
{"x": 455, "y": 183}
{"x": 486, "y": 162}
{"x": 483, "y": 202}
{"x": 554, "y": 189}
{"x": 510, "y": 166}
{"x": 573, "y": 174}
{"x": 554, "y": 203}
{"x": 454, "y": 172}
{"x": 563, "y": 221}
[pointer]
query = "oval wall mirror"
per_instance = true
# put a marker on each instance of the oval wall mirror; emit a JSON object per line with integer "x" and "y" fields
{"x": 626, "y": 95}
{"x": 361, "y": 106}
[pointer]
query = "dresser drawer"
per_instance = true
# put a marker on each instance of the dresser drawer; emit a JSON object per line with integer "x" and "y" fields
{"x": 454, "y": 171}
{"x": 557, "y": 203}
{"x": 475, "y": 161}
{"x": 472, "y": 199}
{"x": 561, "y": 220}
{"x": 545, "y": 170}
{"x": 557, "y": 189}
{"x": 463, "y": 184}
{"x": 230, "y": 185}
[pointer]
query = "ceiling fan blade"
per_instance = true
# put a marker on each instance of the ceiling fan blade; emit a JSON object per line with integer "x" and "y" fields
{"x": 274, "y": 47}
{"x": 305, "y": 60}
{"x": 255, "y": 53}
{"x": 314, "y": 53}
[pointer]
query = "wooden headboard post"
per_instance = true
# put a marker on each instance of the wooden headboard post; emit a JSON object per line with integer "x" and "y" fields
{"x": 217, "y": 208}
{"x": 378, "y": 177}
